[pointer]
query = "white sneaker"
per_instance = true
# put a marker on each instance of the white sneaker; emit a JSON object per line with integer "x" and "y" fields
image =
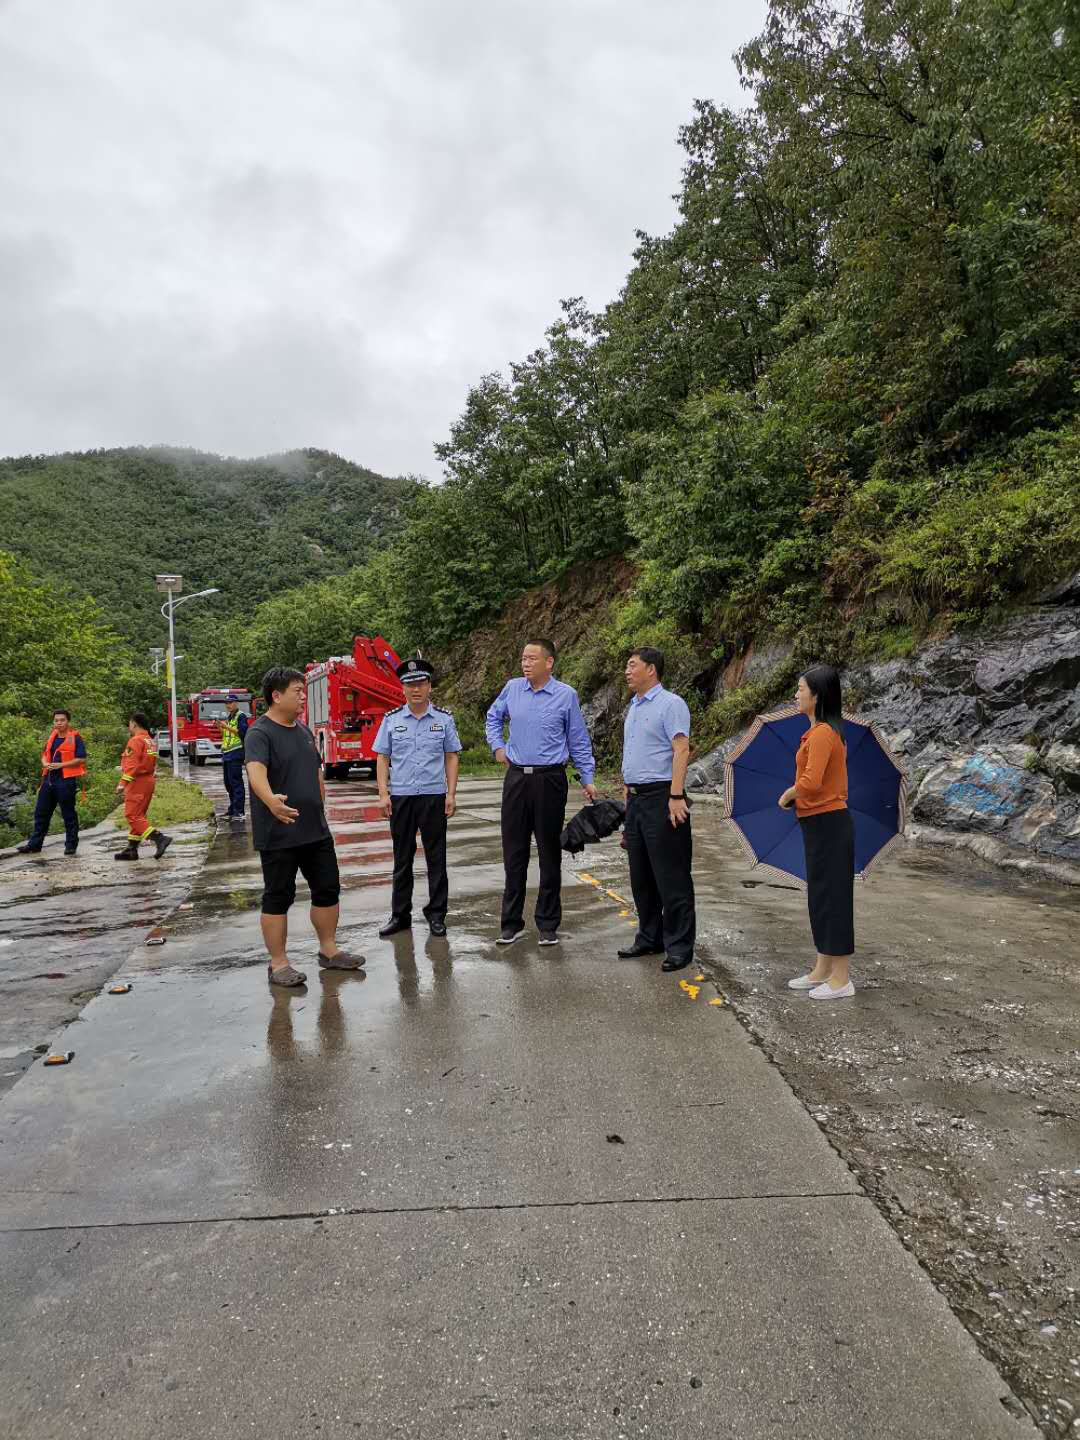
{"x": 802, "y": 982}
{"x": 826, "y": 992}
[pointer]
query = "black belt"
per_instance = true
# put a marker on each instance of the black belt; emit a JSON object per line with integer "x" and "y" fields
{"x": 650, "y": 787}
{"x": 536, "y": 769}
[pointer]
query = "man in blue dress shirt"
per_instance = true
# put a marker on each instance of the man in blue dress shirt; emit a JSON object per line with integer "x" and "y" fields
{"x": 417, "y": 770}
{"x": 656, "y": 752}
{"x": 546, "y": 729}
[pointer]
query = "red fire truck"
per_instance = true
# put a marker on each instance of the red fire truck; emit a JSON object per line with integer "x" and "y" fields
{"x": 199, "y": 717}
{"x": 347, "y": 697}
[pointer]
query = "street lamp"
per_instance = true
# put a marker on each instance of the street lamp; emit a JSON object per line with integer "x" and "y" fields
{"x": 171, "y": 585}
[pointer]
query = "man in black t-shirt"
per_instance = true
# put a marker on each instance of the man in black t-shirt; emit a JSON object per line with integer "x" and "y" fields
{"x": 288, "y": 824}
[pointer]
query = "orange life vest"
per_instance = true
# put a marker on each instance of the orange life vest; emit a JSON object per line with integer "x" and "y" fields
{"x": 66, "y": 754}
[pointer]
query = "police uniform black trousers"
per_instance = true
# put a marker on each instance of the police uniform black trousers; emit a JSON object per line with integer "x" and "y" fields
{"x": 426, "y": 813}
{"x": 660, "y": 856}
{"x": 533, "y": 804}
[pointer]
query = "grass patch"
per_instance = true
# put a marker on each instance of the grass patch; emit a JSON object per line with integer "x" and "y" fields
{"x": 175, "y": 802}
{"x": 476, "y": 760}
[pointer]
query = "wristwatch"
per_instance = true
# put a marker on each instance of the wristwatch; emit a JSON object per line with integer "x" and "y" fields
{"x": 673, "y": 796}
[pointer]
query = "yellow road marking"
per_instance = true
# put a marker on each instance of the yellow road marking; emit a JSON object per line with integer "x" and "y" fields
{"x": 628, "y": 914}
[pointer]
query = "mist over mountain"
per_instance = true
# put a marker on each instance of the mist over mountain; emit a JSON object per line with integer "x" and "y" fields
{"x": 104, "y": 522}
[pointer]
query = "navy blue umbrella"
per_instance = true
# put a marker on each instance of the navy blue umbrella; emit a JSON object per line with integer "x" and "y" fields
{"x": 762, "y": 767}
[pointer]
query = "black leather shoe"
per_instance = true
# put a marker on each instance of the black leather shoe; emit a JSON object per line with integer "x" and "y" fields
{"x": 69, "y": 849}
{"x": 636, "y": 950}
{"x": 437, "y": 927}
{"x": 28, "y": 849}
{"x": 674, "y": 963}
{"x": 393, "y": 926}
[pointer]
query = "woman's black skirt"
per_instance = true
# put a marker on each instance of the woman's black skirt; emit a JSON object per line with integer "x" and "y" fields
{"x": 829, "y": 841}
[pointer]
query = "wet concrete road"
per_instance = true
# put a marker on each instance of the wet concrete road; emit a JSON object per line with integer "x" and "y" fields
{"x": 952, "y": 1085}
{"x": 476, "y": 1193}
{"x": 68, "y": 923}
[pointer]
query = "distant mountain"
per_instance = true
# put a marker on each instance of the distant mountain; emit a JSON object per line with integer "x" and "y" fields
{"x": 106, "y": 521}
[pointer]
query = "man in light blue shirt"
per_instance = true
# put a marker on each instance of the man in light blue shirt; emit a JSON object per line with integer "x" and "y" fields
{"x": 546, "y": 729}
{"x": 417, "y": 770}
{"x": 656, "y": 752}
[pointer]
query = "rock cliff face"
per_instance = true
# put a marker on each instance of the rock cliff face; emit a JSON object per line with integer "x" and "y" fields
{"x": 11, "y": 792}
{"x": 988, "y": 724}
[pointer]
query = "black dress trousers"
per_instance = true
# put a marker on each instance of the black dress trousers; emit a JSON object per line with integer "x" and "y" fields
{"x": 533, "y": 804}
{"x": 660, "y": 856}
{"x": 426, "y": 814}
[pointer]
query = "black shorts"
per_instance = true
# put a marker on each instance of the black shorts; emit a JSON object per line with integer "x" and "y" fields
{"x": 317, "y": 863}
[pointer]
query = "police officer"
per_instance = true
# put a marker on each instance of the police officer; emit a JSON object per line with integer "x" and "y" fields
{"x": 417, "y": 770}
{"x": 233, "y": 730}
{"x": 656, "y": 752}
{"x": 63, "y": 764}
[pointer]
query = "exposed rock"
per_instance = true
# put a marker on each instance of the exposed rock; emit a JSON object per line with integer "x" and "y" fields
{"x": 708, "y": 772}
{"x": 755, "y": 663}
{"x": 1063, "y": 764}
{"x": 601, "y": 712}
{"x": 988, "y": 724}
{"x": 1066, "y": 592}
{"x": 11, "y": 792}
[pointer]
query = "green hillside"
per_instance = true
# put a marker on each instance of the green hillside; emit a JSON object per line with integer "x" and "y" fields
{"x": 834, "y": 408}
{"x": 104, "y": 522}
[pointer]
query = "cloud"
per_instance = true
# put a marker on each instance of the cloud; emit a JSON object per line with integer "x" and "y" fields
{"x": 254, "y": 226}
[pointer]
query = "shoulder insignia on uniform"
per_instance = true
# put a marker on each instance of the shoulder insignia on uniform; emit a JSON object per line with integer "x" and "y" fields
{"x": 443, "y": 709}
{"x": 396, "y": 709}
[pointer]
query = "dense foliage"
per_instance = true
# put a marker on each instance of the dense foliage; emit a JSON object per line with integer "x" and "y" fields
{"x": 104, "y": 523}
{"x": 56, "y": 651}
{"x": 839, "y": 398}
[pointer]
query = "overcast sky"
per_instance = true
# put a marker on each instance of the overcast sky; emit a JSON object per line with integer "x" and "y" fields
{"x": 249, "y": 226}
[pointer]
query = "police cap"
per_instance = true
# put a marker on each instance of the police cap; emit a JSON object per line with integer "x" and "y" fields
{"x": 415, "y": 668}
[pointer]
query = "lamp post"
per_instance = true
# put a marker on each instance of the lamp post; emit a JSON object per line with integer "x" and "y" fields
{"x": 171, "y": 585}
{"x": 157, "y": 659}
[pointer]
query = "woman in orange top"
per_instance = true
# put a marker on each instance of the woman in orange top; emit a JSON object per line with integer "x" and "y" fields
{"x": 820, "y": 799}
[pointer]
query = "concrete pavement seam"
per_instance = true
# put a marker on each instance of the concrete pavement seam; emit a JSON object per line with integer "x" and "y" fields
{"x": 346, "y": 1211}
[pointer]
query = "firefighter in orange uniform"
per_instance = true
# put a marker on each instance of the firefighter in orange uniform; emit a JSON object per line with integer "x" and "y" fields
{"x": 138, "y": 767}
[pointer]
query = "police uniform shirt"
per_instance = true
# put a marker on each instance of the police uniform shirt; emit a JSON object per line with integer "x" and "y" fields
{"x": 416, "y": 745}
{"x": 652, "y": 722}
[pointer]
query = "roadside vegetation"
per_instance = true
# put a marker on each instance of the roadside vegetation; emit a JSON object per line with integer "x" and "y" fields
{"x": 835, "y": 407}
{"x": 57, "y": 650}
{"x": 175, "y": 802}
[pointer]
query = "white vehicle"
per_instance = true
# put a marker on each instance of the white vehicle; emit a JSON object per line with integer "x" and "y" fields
{"x": 163, "y": 743}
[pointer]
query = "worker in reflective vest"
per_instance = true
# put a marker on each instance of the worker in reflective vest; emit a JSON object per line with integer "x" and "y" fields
{"x": 63, "y": 764}
{"x": 233, "y": 730}
{"x": 138, "y": 776}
